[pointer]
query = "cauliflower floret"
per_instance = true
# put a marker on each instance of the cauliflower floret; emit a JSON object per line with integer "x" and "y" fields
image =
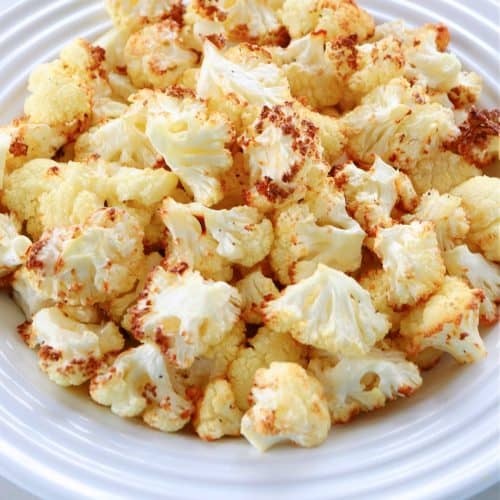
{"x": 287, "y": 404}
{"x": 356, "y": 384}
{"x": 411, "y": 257}
{"x": 448, "y": 321}
{"x": 192, "y": 141}
{"x": 447, "y": 214}
{"x": 316, "y": 230}
{"x": 27, "y": 294}
{"x": 284, "y": 156}
{"x": 480, "y": 273}
{"x": 466, "y": 91}
{"x": 211, "y": 240}
{"x": 216, "y": 413}
{"x": 396, "y": 122}
{"x": 442, "y": 171}
{"x": 88, "y": 263}
{"x": 372, "y": 194}
{"x": 233, "y": 86}
{"x": 329, "y": 310}
{"x": 138, "y": 383}
{"x": 132, "y": 14}
{"x": 71, "y": 352}
{"x": 156, "y": 56}
{"x": 184, "y": 314}
{"x": 335, "y": 17}
{"x": 267, "y": 346}
{"x": 479, "y": 139}
{"x": 480, "y": 198}
{"x": 13, "y": 246}
{"x": 377, "y": 283}
{"x": 254, "y": 290}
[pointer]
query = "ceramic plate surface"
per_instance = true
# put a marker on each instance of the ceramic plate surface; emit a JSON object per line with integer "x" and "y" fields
{"x": 441, "y": 443}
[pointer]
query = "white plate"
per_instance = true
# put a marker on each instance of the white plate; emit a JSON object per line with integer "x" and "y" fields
{"x": 443, "y": 442}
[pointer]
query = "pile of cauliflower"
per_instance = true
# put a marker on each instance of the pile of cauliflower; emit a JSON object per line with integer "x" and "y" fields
{"x": 251, "y": 217}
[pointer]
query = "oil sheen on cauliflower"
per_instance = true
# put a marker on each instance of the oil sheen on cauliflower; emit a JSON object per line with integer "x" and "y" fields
{"x": 91, "y": 262}
{"x": 284, "y": 154}
{"x": 13, "y": 246}
{"x": 482, "y": 205}
{"x": 71, "y": 352}
{"x": 287, "y": 404}
{"x": 313, "y": 231}
{"x": 330, "y": 311}
{"x": 192, "y": 141}
{"x": 216, "y": 413}
{"x": 448, "y": 321}
{"x": 371, "y": 195}
{"x": 356, "y": 384}
{"x": 480, "y": 273}
{"x": 264, "y": 348}
{"x": 447, "y": 214}
{"x": 211, "y": 240}
{"x": 138, "y": 383}
{"x": 183, "y": 313}
{"x": 411, "y": 257}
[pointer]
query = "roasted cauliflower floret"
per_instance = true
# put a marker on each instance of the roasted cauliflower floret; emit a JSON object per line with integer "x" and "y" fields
{"x": 88, "y": 263}
{"x": 396, "y": 122}
{"x": 330, "y": 311}
{"x": 212, "y": 240}
{"x": 156, "y": 56}
{"x": 335, "y": 17}
{"x": 13, "y": 246}
{"x": 316, "y": 230}
{"x": 71, "y": 352}
{"x": 192, "y": 141}
{"x": 216, "y": 412}
{"x": 27, "y": 294}
{"x": 138, "y": 383}
{"x": 284, "y": 155}
{"x": 255, "y": 289}
{"x": 356, "y": 384}
{"x": 480, "y": 273}
{"x": 447, "y": 214}
{"x": 448, "y": 321}
{"x": 411, "y": 257}
{"x": 371, "y": 195}
{"x": 266, "y": 347}
{"x": 184, "y": 314}
{"x": 481, "y": 200}
{"x": 287, "y": 404}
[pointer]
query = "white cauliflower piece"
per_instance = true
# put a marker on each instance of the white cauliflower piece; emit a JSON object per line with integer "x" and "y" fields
{"x": 356, "y": 384}
{"x": 184, "y": 314}
{"x": 237, "y": 236}
{"x": 447, "y": 214}
{"x": 335, "y": 17}
{"x": 396, "y": 122}
{"x": 138, "y": 383}
{"x": 411, "y": 257}
{"x": 71, "y": 352}
{"x": 284, "y": 156}
{"x": 316, "y": 230}
{"x": 27, "y": 294}
{"x": 482, "y": 205}
{"x": 216, "y": 412}
{"x": 89, "y": 263}
{"x": 13, "y": 246}
{"x": 156, "y": 56}
{"x": 262, "y": 349}
{"x": 371, "y": 195}
{"x": 329, "y": 310}
{"x": 288, "y": 404}
{"x": 192, "y": 141}
{"x": 255, "y": 289}
{"x": 480, "y": 273}
{"x": 448, "y": 321}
